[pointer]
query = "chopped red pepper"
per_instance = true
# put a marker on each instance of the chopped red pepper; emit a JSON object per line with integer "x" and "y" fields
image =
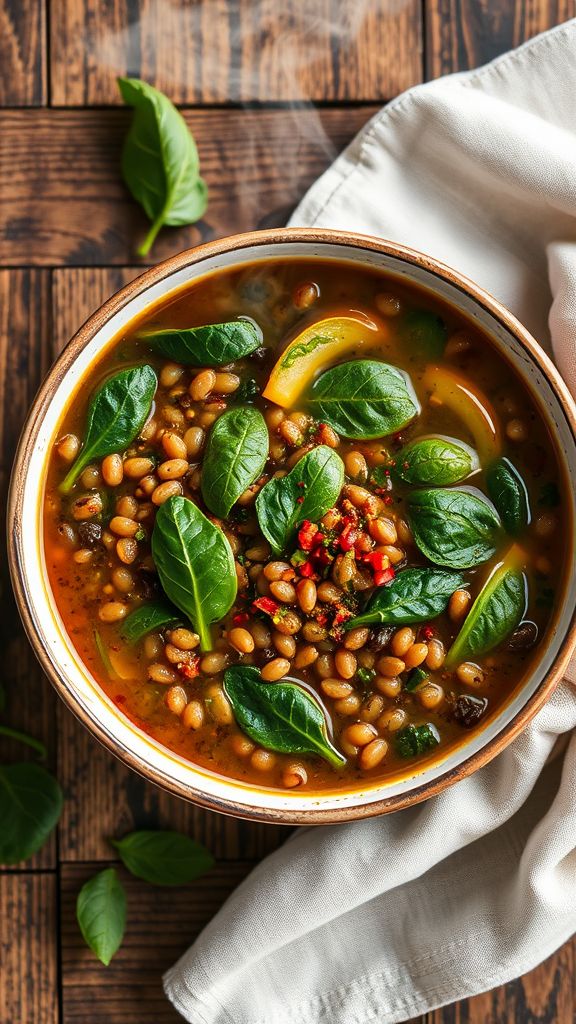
{"x": 266, "y": 605}
{"x": 348, "y": 537}
{"x": 382, "y": 576}
{"x": 427, "y": 632}
{"x": 377, "y": 560}
{"x": 191, "y": 668}
{"x": 240, "y": 618}
{"x": 307, "y": 535}
{"x": 307, "y": 570}
{"x": 321, "y": 618}
{"x": 342, "y": 615}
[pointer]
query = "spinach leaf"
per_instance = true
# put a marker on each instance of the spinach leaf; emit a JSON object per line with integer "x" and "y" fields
{"x": 417, "y": 739}
{"x": 495, "y": 614}
{"x": 423, "y": 332}
{"x": 435, "y": 460}
{"x": 146, "y": 619}
{"x": 211, "y": 345}
{"x": 235, "y": 456}
{"x": 195, "y": 564}
{"x": 414, "y": 595}
{"x": 416, "y": 678}
{"x": 160, "y": 161}
{"x": 364, "y": 399}
{"x": 247, "y": 392}
{"x": 30, "y": 806}
{"x": 508, "y": 492}
{"x": 279, "y": 716}
{"x": 117, "y": 412}
{"x": 163, "y": 858}
{"x": 307, "y": 492}
{"x": 454, "y": 528}
{"x": 101, "y": 914}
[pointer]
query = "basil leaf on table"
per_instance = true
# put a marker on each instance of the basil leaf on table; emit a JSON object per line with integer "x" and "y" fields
{"x": 279, "y": 716}
{"x": 163, "y": 858}
{"x": 452, "y": 527}
{"x": 363, "y": 399}
{"x": 146, "y": 619}
{"x": 414, "y": 595}
{"x": 30, "y": 806}
{"x": 101, "y": 914}
{"x": 423, "y": 332}
{"x": 117, "y": 412}
{"x": 435, "y": 460}
{"x": 195, "y": 564}
{"x": 307, "y": 492}
{"x": 210, "y": 345}
{"x": 160, "y": 161}
{"x": 235, "y": 456}
{"x": 508, "y": 492}
{"x": 495, "y": 614}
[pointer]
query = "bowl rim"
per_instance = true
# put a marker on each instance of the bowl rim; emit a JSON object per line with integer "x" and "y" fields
{"x": 54, "y": 378}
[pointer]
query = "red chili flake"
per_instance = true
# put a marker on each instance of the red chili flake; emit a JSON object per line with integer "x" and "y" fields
{"x": 266, "y": 605}
{"x": 300, "y": 500}
{"x": 388, "y": 499}
{"x": 342, "y": 615}
{"x": 348, "y": 537}
{"x": 300, "y": 484}
{"x": 307, "y": 533}
{"x": 322, "y": 618}
{"x": 190, "y": 669}
{"x": 427, "y": 632}
{"x": 240, "y": 618}
{"x": 383, "y": 576}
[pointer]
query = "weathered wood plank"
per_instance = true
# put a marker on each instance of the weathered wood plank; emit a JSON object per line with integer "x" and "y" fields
{"x": 64, "y": 201}
{"x": 462, "y": 34}
{"x": 28, "y": 949}
{"x": 161, "y": 925}
{"x": 236, "y": 51}
{"x": 22, "y": 53}
{"x": 24, "y": 359}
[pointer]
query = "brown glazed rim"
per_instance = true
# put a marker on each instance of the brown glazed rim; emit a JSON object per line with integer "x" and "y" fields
{"x": 315, "y": 815}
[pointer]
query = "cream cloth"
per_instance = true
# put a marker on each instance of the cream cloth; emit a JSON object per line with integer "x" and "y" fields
{"x": 379, "y": 920}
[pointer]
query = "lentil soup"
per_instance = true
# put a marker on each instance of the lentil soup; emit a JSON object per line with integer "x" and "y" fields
{"x": 314, "y": 543}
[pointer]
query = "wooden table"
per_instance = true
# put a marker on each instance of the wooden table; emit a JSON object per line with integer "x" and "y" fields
{"x": 245, "y": 72}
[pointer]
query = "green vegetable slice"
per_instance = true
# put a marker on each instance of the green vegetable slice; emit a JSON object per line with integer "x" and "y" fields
{"x": 30, "y": 806}
{"x": 195, "y": 564}
{"x": 496, "y": 612}
{"x": 101, "y": 914}
{"x": 279, "y": 716}
{"x": 435, "y": 460}
{"x": 364, "y": 399}
{"x": 307, "y": 492}
{"x": 163, "y": 858}
{"x": 117, "y": 412}
{"x": 414, "y": 595}
{"x": 453, "y": 527}
{"x": 160, "y": 161}
{"x": 235, "y": 456}
{"x": 508, "y": 492}
{"x": 423, "y": 332}
{"x": 210, "y": 345}
{"x": 146, "y": 619}
{"x": 417, "y": 739}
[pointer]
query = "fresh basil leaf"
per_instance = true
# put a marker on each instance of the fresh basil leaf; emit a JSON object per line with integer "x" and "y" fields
{"x": 117, "y": 412}
{"x": 417, "y": 739}
{"x": 147, "y": 619}
{"x": 453, "y": 528}
{"x": 235, "y": 456}
{"x": 508, "y": 492}
{"x": 414, "y": 595}
{"x": 435, "y": 460}
{"x": 364, "y": 399}
{"x": 163, "y": 858}
{"x": 210, "y": 345}
{"x": 496, "y": 612}
{"x": 423, "y": 332}
{"x": 160, "y": 161}
{"x": 279, "y": 716}
{"x": 23, "y": 737}
{"x": 30, "y": 806}
{"x": 195, "y": 564}
{"x": 416, "y": 678}
{"x": 307, "y": 492}
{"x": 101, "y": 914}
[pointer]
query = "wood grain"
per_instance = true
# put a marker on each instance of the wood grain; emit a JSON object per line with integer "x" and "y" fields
{"x": 161, "y": 924}
{"x": 24, "y": 359}
{"x": 64, "y": 201}
{"x": 462, "y": 34}
{"x": 236, "y": 51}
{"x": 28, "y": 949}
{"x": 22, "y": 53}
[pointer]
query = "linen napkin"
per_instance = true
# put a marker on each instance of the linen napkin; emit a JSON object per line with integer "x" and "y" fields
{"x": 376, "y": 921}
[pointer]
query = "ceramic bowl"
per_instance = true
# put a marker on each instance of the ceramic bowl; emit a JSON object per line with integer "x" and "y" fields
{"x": 44, "y": 625}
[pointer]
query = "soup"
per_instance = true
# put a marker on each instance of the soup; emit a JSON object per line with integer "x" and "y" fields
{"x": 305, "y": 525}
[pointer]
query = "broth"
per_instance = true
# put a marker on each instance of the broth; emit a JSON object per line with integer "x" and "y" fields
{"x": 388, "y": 700}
